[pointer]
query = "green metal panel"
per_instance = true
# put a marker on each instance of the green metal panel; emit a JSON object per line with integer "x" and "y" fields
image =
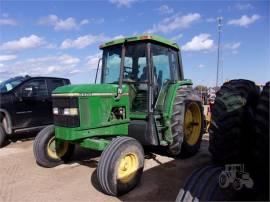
{"x": 76, "y": 135}
{"x": 85, "y": 114}
{"x": 156, "y": 38}
{"x": 100, "y": 109}
{"x": 86, "y": 89}
{"x": 95, "y": 144}
{"x": 95, "y": 110}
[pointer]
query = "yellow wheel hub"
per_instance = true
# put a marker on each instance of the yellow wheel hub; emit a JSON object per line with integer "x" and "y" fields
{"x": 61, "y": 150}
{"x": 128, "y": 166}
{"x": 192, "y": 123}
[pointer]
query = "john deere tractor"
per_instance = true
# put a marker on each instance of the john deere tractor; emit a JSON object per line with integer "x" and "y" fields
{"x": 142, "y": 100}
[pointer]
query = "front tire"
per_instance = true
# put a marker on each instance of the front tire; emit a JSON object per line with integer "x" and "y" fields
{"x": 120, "y": 166}
{"x": 48, "y": 152}
{"x": 2, "y": 136}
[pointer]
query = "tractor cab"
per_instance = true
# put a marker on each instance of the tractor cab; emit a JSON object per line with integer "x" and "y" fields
{"x": 142, "y": 99}
{"x": 144, "y": 64}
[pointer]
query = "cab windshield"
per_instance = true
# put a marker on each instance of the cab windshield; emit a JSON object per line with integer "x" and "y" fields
{"x": 9, "y": 84}
{"x": 134, "y": 63}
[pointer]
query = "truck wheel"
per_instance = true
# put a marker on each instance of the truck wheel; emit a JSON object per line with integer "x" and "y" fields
{"x": 48, "y": 151}
{"x": 230, "y": 137}
{"x": 203, "y": 185}
{"x": 2, "y": 135}
{"x": 186, "y": 124}
{"x": 120, "y": 166}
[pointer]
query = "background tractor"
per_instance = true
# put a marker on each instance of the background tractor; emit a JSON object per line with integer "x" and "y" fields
{"x": 142, "y": 100}
{"x": 235, "y": 174}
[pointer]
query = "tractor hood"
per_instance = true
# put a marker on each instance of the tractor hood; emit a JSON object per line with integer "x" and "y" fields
{"x": 88, "y": 88}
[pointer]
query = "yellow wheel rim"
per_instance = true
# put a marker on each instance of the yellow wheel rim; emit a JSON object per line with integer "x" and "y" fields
{"x": 128, "y": 166}
{"x": 192, "y": 123}
{"x": 61, "y": 150}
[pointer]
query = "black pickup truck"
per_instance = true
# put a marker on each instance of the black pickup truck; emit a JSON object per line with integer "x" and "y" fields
{"x": 26, "y": 104}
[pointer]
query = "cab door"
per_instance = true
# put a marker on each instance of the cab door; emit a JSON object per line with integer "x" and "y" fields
{"x": 33, "y": 105}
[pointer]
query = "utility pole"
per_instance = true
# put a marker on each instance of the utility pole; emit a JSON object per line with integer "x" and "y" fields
{"x": 219, "y": 51}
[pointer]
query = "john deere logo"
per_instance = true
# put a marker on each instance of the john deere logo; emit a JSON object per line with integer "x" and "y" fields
{"x": 235, "y": 174}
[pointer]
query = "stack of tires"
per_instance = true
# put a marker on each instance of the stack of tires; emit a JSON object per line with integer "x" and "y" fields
{"x": 260, "y": 150}
{"x": 231, "y": 131}
{"x": 238, "y": 135}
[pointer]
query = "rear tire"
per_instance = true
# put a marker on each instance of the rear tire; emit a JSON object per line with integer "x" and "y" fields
{"x": 184, "y": 104}
{"x": 230, "y": 136}
{"x": 223, "y": 180}
{"x": 46, "y": 153}
{"x": 120, "y": 166}
{"x": 2, "y": 136}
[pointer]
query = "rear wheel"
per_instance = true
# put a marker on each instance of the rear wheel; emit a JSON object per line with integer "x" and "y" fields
{"x": 120, "y": 166}
{"x": 223, "y": 180}
{"x": 50, "y": 152}
{"x": 186, "y": 124}
{"x": 193, "y": 128}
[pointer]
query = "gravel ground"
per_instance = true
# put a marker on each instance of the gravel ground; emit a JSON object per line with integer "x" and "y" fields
{"x": 21, "y": 179}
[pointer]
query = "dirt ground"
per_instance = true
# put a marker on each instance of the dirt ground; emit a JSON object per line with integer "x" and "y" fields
{"x": 21, "y": 179}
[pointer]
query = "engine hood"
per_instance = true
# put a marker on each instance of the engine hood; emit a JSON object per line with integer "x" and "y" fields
{"x": 88, "y": 88}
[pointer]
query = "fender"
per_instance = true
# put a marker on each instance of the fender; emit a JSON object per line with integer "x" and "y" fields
{"x": 9, "y": 122}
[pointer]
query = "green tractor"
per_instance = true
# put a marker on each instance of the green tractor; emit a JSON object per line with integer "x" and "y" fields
{"x": 142, "y": 100}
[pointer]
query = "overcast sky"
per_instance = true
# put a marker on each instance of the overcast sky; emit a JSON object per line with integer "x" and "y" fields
{"x": 61, "y": 38}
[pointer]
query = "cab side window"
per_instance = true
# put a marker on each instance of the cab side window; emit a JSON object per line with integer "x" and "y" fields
{"x": 175, "y": 65}
{"x": 35, "y": 88}
{"x": 161, "y": 64}
{"x": 165, "y": 63}
{"x": 57, "y": 83}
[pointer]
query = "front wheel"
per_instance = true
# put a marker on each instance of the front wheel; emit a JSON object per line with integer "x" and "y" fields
{"x": 120, "y": 166}
{"x": 237, "y": 185}
{"x": 2, "y": 135}
{"x": 48, "y": 151}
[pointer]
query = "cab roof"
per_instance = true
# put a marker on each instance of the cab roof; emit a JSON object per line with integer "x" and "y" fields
{"x": 148, "y": 37}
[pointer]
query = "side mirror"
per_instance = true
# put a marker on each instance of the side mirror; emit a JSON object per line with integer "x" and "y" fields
{"x": 100, "y": 59}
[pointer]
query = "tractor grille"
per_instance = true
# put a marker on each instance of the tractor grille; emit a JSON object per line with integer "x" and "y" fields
{"x": 65, "y": 120}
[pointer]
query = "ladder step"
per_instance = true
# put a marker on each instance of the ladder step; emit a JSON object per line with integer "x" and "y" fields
{"x": 174, "y": 124}
{"x": 177, "y": 112}
{"x": 173, "y": 146}
{"x": 181, "y": 95}
{"x": 163, "y": 143}
{"x": 175, "y": 134}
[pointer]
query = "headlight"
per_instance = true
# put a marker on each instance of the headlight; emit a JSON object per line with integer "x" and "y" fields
{"x": 55, "y": 111}
{"x": 70, "y": 111}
